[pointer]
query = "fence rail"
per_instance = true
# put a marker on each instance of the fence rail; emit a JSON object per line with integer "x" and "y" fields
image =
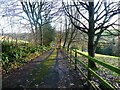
{"x": 110, "y": 67}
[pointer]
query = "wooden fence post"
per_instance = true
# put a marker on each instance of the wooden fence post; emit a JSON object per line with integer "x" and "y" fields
{"x": 75, "y": 60}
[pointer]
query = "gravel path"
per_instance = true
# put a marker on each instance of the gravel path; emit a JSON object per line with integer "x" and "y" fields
{"x": 20, "y": 77}
{"x": 60, "y": 74}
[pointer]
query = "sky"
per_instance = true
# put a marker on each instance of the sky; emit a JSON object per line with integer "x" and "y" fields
{"x": 8, "y": 20}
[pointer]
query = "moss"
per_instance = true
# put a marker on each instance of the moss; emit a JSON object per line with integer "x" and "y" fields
{"x": 41, "y": 69}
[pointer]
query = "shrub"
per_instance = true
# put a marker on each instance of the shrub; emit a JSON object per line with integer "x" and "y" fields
{"x": 14, "y": 56}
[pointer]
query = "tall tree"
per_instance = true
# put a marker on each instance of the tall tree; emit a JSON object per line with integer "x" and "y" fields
{"x": 95, "y": 20}
{"x": 70, "y": 30}
{"x": 66, "y": 32}
{"x": 48, "y": 34}
{"x": 38, "y": 14}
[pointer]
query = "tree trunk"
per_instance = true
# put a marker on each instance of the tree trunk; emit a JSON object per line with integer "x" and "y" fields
{"x": 41, "y": 37}
{"x": 66, "y": 33}
{"x": 68, "y": 46}
{"x": 65, "y": 42}
{"x": 66, "y": 37}
{"x": 91, "y": 31}
{"x": 36, "y": 35}
{"x": 91, "y": 48}
{"x": 91, "y": 51}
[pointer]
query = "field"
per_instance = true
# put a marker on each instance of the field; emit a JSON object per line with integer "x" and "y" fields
{"x": 105, "y": 73}
{"x": 112, "y": 60}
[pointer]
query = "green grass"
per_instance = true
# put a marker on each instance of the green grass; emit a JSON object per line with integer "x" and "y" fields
{"x": 112, "y": 60}
{"x": 102, "y": 71}
{"x": 99, "y": 55}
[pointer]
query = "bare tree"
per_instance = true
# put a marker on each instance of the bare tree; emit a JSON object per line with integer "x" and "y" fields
{"x": 38, "y": 13}
{"x": 95, "y": 20}
{"x": 70, "y": 30}
{"x": 66, "y": 32}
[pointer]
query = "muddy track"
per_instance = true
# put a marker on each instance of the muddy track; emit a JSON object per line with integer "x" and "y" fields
{"x": 19, "y": 77}
{"x": 44, "y": 72}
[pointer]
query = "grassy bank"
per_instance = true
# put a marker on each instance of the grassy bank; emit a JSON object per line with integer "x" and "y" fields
{"x": 13, "y": 56}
